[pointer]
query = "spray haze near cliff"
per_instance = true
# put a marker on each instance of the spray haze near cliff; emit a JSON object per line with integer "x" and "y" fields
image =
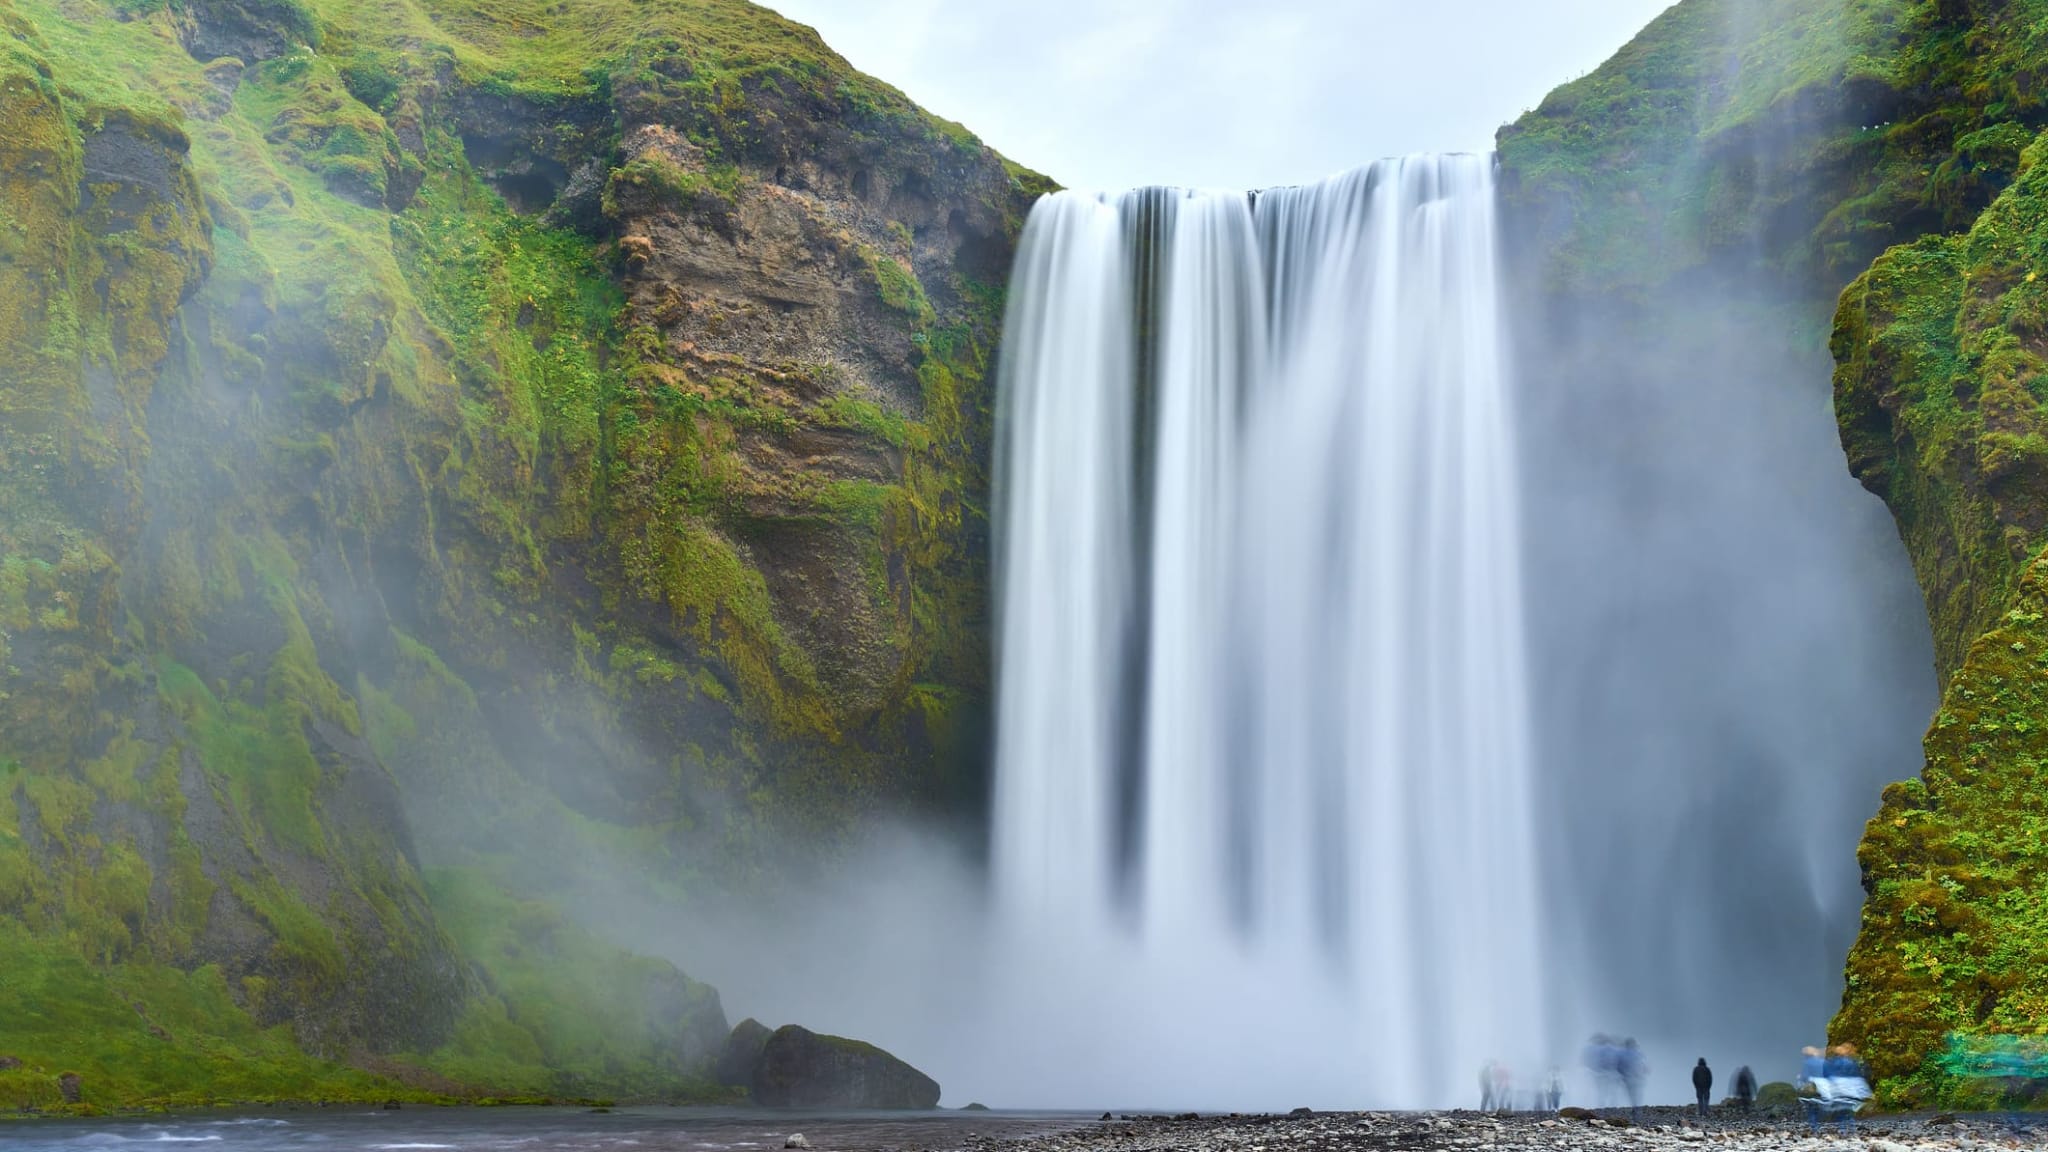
{"x": 1728, "y": 659}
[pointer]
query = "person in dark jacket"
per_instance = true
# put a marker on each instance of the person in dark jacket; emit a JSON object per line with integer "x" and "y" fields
{"x": 1702, "y": 1084}
{"x": 1745, "y": 1088}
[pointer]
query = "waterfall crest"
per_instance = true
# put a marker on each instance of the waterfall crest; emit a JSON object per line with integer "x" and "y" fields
{"x": 1262, "y": 690}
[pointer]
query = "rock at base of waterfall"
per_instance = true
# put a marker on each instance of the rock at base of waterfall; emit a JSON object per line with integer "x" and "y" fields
{"x": 796, "y": 1141}
{"x": 1777, "y": 1099}
{"x": 741, "y": 1054}
{"x": 799, "y": 1068}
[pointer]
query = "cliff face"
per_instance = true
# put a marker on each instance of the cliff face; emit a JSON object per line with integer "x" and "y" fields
{"x": 456, "y": 458}
{"x": 1783, "y": 151}
{"x": 1941, "y": 387}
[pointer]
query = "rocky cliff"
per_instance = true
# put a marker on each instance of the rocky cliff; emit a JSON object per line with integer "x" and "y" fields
{"x": 458, "y": 458}
{"x": 1782, "y": 152}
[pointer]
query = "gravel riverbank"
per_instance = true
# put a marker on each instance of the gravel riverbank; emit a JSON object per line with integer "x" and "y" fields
{"x": 1663, "y": 1128}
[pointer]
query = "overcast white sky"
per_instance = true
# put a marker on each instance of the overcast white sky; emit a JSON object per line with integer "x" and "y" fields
{"x": 1223, "y": 93}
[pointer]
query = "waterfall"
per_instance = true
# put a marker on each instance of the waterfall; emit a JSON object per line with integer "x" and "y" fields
{"x": 1263, "y": 708}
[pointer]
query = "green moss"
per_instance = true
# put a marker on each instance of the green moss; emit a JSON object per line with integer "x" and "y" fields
{"x": 1956, "y": 926}
{"x": 898, "y": 287}
{"x": 1938, "y": 389}
{"x": 569, "y": 1015}
{"x": 143, "y": 1034}
{"x": 259, "y": 754}
{"x": 655, "y": 180}
{"x": 1808, "y": 138}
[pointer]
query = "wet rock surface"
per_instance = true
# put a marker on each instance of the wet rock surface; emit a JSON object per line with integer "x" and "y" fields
{"x": 1662, "y": 1128}
{"x": 799, "y": 1068}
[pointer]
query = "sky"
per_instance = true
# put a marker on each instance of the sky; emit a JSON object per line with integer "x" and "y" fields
{"x": 1108, "y": 94}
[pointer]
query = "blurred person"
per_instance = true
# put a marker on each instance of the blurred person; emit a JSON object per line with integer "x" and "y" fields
{"x": 1503, "y": 1087}
{"x": 1702, "y": 1084}
{"x": 1635, "y": 1075}
{"x": 1602, "y": 1060}
{"x": 1554, "y": 1095}
{"x": 1847, "y": 1083}
{"x": 1745, "y": 1088}
{"x": 1812, "y": 1070}
{"x": 1486, "y": 1087}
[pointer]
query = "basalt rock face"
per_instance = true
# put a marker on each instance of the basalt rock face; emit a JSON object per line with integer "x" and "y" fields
{"x": 1786, "y": 152}
{"x": 452, "y": 466}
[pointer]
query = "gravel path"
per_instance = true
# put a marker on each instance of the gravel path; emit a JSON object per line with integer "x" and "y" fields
{"x": 1664, "y": 1128}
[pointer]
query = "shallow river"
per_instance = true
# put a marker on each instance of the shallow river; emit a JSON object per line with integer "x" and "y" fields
{"x": 528, "y": 1130}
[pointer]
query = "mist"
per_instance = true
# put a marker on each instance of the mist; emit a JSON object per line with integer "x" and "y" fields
{"x": 1728, "y": 659}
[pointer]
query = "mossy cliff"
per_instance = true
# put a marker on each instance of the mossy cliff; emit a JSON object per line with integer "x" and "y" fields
{"x": 1780, "y": 153}
{"x": 455, "y": 458}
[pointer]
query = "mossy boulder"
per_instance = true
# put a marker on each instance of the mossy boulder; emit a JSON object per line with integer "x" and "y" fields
{"x": 799, "y": 1068}
{"x": 1778, "y": 1099}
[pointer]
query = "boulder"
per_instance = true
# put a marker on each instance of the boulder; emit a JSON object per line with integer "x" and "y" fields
{"x": 799, "y": 1068}
{"x": 741, "y": 1054}
{"x": 68, "y": 1085}
{"x": 1777, "y": 1099}
{"x": 9, "y": 1063}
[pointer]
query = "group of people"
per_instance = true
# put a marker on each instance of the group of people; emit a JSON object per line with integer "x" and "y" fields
{"x": 1833, "y": 1084}
{"x": 1619, "y": 1071}
{"x": 1744, "y": 1096}
{"x": 1497, "y": 1090}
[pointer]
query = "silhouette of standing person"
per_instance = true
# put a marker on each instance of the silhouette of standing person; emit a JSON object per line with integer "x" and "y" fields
{"x": 1702, "y": 1084}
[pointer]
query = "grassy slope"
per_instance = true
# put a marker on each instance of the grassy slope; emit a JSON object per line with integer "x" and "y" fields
{"x": 439, "y": 310}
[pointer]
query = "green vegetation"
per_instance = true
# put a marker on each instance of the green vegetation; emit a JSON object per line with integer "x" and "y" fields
{"x": 1943, "y": 403}
{"x": 1804, "y": 138}
{"x": 570, "y": 1016}
{"x": 361, "y": 455}
{"x": 144, "y": 1034}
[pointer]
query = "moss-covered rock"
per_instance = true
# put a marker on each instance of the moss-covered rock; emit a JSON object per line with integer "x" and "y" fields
{"x": 1941, "y": 392}
{"x": 799, "y": 1068}
{"x": 557, "y": 430}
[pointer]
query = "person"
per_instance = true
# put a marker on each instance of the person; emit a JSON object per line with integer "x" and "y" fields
{"x": 1599, "y": 1058}
{"x": 1556, "y": 1094}
{"x": 1503, "y": 1087}
{"x": 1702, "y": 1084}
{"x": 1635, "y": 1072}
{"x": 1745, "y": 1088}
{"x": 1848, "y": 1085}
{"x": 1812, "y": 1070}
{"x": 1486, "y": 1087}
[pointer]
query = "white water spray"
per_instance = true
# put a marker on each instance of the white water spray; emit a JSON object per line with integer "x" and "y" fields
{"x": 1263, "y": 711}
